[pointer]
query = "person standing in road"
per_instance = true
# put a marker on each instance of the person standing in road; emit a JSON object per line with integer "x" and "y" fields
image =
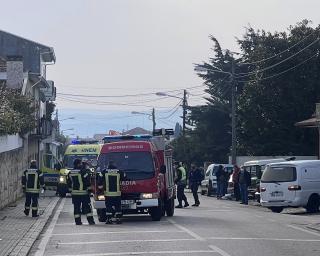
{"x": 109, "y": 180}
{"x": 181, "y": 181}
{"x": 32, "y": 180}
{"x": 221, "y": 179}
{"x": 235, "y": 180}
{"x": 244, "y": 183}
{"x": 195, "y": 178}
{"x": 79, "y": 184}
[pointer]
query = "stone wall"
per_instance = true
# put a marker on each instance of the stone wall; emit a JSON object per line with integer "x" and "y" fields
{"x": 12, "y": 165}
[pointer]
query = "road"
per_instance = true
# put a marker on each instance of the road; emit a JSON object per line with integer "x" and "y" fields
{"x": 217, "y": 227}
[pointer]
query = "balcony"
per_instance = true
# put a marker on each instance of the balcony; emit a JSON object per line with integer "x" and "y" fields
{"x": 43, "y": 129}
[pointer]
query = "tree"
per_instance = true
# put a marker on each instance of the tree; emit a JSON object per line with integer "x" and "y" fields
{"x": 16, "y": 112}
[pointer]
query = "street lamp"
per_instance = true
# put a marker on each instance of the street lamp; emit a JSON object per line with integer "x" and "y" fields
{"x": 233, "y": 104}
{"x": 184, "y": 107}
{"x": 152, "y": 115}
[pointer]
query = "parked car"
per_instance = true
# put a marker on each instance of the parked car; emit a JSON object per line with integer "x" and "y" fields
{"x": 291, "y": 184}
{"x": 256, "y": 168}
{"x": 209, "y": 184}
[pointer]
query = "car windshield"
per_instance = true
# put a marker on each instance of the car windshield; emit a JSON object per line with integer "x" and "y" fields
{"x": 136, "y": 165}
{"x": 69, "y": 159}
{"x": 279, "y": 174}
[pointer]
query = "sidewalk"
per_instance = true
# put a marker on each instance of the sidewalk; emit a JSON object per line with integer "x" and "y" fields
{"x": 17, "y": 231}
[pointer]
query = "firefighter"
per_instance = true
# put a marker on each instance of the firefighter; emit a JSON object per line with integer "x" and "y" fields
{"x": 78, "y": 181}
{"x": 109, "y": 181}
{"x": 181, "y": 181}
{"x": 32, "y": 180}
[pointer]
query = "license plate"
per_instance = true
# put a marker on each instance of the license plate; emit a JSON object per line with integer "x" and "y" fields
{"x": 277, "y": 193}
{"x": 127, "y": 202}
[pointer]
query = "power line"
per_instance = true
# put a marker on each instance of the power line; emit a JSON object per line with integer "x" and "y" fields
{"x": 285, "y": 71}
{"x": 271, "y": 57}
{"x": 276, "y": 64}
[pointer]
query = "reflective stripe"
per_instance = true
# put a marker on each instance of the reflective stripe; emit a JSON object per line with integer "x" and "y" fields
{"x": 41, "y": 174}
{"x": 90, "y": 214}
{"x": 27, "y": 208}
{"x": 34, "y": 208}
{"x": 107, "y": 191}
{"x": 77, "y": 215}
{"x": 85, "y": 176}
{"x": 34, "y": 191}
{"x": 79, "y": 192}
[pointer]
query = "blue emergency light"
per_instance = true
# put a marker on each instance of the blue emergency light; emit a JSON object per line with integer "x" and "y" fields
{"x": 141, "y": 137}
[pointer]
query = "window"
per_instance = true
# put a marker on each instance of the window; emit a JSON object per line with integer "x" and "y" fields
{"x": 279, "y": 174}
{"x": 136, "y": 165}
{"x": 69, "y": 159}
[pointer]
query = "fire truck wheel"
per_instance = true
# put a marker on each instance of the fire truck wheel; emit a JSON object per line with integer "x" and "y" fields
{"x": 156, "y": 212}
{"x": 170, "y": 207}
{"x": 101, "y": 215}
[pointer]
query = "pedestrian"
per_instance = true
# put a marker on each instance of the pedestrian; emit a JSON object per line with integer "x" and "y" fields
{"x": 235, "y": 180}
{"x": 195, "y": 178}
{"x": 181, "y": 181}
{"x": 244, "y": 183}
{"x": 221, "y": 179}
{"x": 109, "y": 180}
{"x": 32, "y": 181}
{"x": 79, "y": 183}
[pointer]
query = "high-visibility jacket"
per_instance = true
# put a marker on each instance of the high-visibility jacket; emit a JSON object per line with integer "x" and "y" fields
{"x": 79, "y": 182}
{"x": 109, "y": 180}
{"x": 181, "y": 176}
{"x": 32, "y": 179}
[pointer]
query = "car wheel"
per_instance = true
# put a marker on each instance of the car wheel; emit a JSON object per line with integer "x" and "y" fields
{"x": 170, "y": 207}
{"x": 101, "y": 215}
{"x": 277, "y": 209}
{"x": 313, "y": 204}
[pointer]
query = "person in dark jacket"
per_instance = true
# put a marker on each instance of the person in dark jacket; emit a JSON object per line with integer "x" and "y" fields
{"x": 79, "y": 183}
{"x": 109, "y": 180}
{"x": 244, "y": 182}
{"x": 181, "y": 181}
{"x": 235, "y": 180}
{"x": 32, "y": 181}
{"x": 221, "y": 180}
{"x": 195, "y": 178}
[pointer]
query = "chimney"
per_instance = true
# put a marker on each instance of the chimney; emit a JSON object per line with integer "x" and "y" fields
{"x": 14, "y": 72}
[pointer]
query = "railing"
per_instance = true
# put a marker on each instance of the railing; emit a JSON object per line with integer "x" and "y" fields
{"x": 43, "y": 129}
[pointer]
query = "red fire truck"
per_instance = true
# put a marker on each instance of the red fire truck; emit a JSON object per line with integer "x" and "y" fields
{"x": 149, "y": 183}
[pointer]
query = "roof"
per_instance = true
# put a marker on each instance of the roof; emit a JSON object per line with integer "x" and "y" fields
{"x": 31, "y": 52}
{"x": 299, "y": 162}
{"x": 308, "y": 123}
{"x": 136, "y": 131}
{"x": 264, "y": 161}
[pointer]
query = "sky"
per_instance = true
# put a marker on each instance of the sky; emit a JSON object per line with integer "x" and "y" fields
{"x": 129, "y": 47}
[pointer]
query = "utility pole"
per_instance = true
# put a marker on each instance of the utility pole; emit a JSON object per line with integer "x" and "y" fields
{"x": 184, "y": 109}
{"x": 153, "y": 120}
{"x": 233, "y": 116}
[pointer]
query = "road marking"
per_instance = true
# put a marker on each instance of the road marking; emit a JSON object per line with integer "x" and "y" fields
{"x": 129, "y": 241}
{"x": 139, "y": 253}
{"x": 218, "y": 250}
{"x": 44, "y": 241}
{"x": 191, "y": 233}
{"x": 304, "y": 230}
{"x": 263, "y": 239}
{"x": 117, "y": 232}
{"x": 218, "y": 210}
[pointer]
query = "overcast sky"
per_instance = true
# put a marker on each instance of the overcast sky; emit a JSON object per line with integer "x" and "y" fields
{"x": 117, "y": 47}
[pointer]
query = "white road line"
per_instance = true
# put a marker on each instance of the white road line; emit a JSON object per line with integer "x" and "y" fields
{"x": 191, "y": 233}
{"x": 139, "y": 253}
{"x": 47, "y": 235}
{"x": 263, "y": 239}
{"x": 218, "y": 250}
{"x": 304, "y": 230}
{"x": 129, "y": 241}
{"x": 219, "y": 210}
{"x": 118, "y": 232}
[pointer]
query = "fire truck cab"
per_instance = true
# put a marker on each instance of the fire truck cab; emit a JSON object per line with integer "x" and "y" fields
{"x": 148, "y": 186}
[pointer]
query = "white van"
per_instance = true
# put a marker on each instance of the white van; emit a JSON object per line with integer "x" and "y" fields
{"x": 209, "y": 184}
{"x": 255, "y": 168}
{"x": 291, "y": 184}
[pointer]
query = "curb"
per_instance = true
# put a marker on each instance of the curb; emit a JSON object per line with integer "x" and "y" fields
{"x": 25, "y": 244}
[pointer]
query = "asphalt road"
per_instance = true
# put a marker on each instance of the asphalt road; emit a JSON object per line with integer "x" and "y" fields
{"x": 220, "y": 228}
